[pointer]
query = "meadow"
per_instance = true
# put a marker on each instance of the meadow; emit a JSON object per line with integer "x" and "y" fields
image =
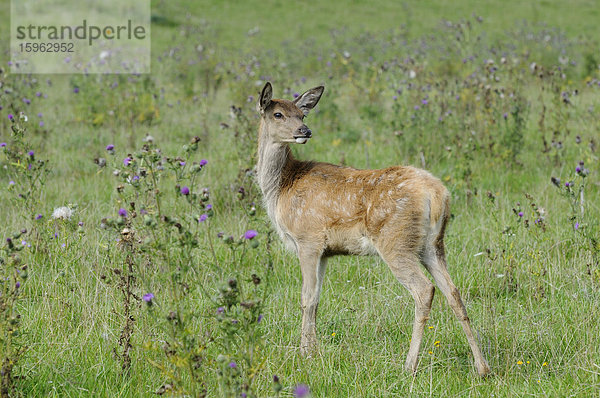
{"x": 137, "y": 260}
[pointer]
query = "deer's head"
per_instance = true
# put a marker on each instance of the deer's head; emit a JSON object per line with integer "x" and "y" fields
{"x": 283, "y": 120}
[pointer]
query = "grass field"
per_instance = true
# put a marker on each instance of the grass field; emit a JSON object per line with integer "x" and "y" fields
{"x": 494, "y": 99}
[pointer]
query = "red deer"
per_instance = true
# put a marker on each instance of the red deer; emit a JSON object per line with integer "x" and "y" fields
{"x": 320, "y": 210}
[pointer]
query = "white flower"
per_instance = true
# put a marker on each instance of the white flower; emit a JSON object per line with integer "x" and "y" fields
{"x": 63, "y": 213}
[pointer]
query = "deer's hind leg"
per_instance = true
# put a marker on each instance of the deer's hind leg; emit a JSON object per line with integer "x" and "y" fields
{"x": 434, "y": 260}
{"x": 406, "y": 268}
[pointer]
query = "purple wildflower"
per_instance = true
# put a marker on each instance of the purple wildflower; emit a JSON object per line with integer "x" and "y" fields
{"x": 38, "y": 217}
{"x": 203, "y": 162}
{"x": 202, "y": 218}
{"x": 250, "y": 234}
{"x": 220, "y": 310}
{"x": 301, "y": 390}
{"x": 18, "y": 284}
{"x": 127, "y": 161}
{"x": 41, "y": 123}
{"x": 80, "y": 223}
{"x": 76, "y": 90}
{"x": 2, "y": 145}
{"x": 567, "y": 184}
{"x": 30, "y": 153}
{"x": 260, "y": 317}
{"x": 296, "y": 95}
{"x": 27, "y": 101}
{"x": 578, "y": 169}
{"x": 182, "y": 163}
{"x": 232, "y": 365}
{"x": 424, "y": 101}
{"x": 576, "y": 225}
{"x": 40, "y": 114}
{"x": 38, "y": 94}
{"x": 122, "y": 212}
{"x": 520, "y": 214}
{"x": 110, "y": 147}
{"x": 148, "y": 298}
{"x": 208, "y": 207}
{"x": 11, "y": 182}
{"x": 11, "y": 116}
{"x": 185, "y": 190}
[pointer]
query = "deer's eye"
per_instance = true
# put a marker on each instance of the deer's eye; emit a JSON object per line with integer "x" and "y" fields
{"x": 277, "y": 115}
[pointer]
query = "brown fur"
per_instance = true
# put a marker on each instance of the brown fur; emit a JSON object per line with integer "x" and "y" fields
{"x": 399, "y": 213}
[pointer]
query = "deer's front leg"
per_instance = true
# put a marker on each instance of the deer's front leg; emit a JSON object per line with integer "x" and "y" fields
{"x": 313, "y": 270}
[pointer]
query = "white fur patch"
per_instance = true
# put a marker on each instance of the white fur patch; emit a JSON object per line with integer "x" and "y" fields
{"x": 301, "y": 140}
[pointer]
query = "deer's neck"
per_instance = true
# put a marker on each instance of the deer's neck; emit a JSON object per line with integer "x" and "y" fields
{"x": 273, "y": 158}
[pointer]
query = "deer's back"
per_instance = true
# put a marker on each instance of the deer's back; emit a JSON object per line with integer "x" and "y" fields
{"x": 351, "y": 210}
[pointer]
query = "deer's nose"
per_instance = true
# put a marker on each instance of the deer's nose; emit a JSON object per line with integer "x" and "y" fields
{"x": 305, "y": 131}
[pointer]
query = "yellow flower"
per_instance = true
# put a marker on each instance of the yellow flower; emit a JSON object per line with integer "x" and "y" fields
{"x": 430, "y": 352}
{"x": 437, "y": 343}
{"x": 545, "y": 364}
{"x": 333, "y": 334}
{"x": 430, "y": 327}
{"x": 519, "y": 362}
{"x": 528, "y": 362}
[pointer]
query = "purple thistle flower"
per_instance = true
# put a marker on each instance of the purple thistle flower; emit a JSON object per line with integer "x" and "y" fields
{"x": 182, "y": 163}
{"x": 578, "y": 169}
{"x": 424, "y": 101}
{"x": 76, "y": 90}
{"x": 11, "y": 182}
{"x": 2, "y": 145}
{"x": 41, "y": 123}
{"x": 220, "y": 310}
{"x": 301, "y": 391}
{"x": 80, "y": 223}
{"x": 520, "y": 214}
{"x": 296, "y": 95}
{"x": 127, "y": 161}
{"x": 576, "y": 225}
{"x": 260, "y": 317}
{"x": 203, "y": 162}
{"x": 38, "y": 94}
{"x": 27, "y": 101}
{"x": 148, "y": 297}
{"x": 505, "y": 115}
{"x": 38, "y": 217}
{"x": 250, "y": 234}
{"x": 18, "y": 284}
{"x": 417, "y": 107}
{"x": 232, "y": 365}
{"x": 30, "y": 153}
{"x": 185, "y": 190}
{"x": 40, "y": 114}
{"x": 10, "y": 116}
{"x": 208, "y": 207}
{"x": 122, "y": 212}
{"x": 203, "y": 218}
{"x": 567, "y": 184}
{"x": 110, "y": 147}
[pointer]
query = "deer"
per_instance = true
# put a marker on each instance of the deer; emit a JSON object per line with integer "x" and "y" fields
{"x": 321, "y": 210}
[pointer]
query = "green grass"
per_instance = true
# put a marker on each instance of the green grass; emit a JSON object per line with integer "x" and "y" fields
{"x": 532, "y": 295}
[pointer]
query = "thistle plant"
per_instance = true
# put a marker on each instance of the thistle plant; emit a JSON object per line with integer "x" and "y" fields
{"x": 584, "y": 227}
{"x": 14, "y": 273}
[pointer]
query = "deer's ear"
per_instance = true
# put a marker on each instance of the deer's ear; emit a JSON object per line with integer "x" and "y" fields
{"x": 309, "y": 99}
{"x": 265, "y": 98}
